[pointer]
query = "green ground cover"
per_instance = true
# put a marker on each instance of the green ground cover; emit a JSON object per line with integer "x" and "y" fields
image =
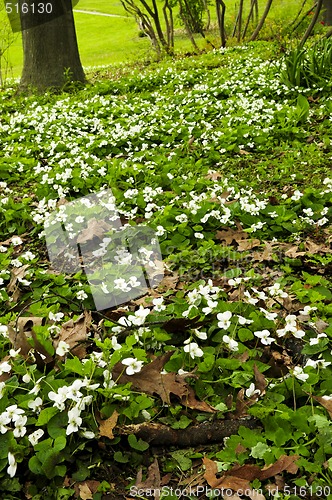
{"x": 231, "y": 168}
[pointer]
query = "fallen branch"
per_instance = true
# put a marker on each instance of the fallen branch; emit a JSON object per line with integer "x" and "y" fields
{"x": 204, "y": 433}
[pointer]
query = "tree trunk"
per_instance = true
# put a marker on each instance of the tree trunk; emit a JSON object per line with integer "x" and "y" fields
{"x": 262, "y": 20}
{"x": 327, "y": 5}
{"x": 312, "y": 24}
{"x": 51, "y": 56}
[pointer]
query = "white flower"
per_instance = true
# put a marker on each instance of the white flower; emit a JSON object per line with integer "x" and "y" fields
{"x": 232, "y": 344}
{"x": 4, "y": 420}
{"x": 74, "y": 420}
{"x": 133, "y": 281}
{"x": 264, "y": 336}
{"x": 59, "y": 397}
{"x": 11, "y": 470}
{"x": 2, "y": 389}
{"x": 13, "y": 353}
{"x": 14, "y": 412}
{"x": 4, "y": 331}
{"x": 108, "y": 382}
{"x": 28, "y": 256}
{"x": 35, "y": 436}
{"x": 88, "y": 434}
{"x": 210, "y": 307}
{"x": 307, "y": 309}
{"x": 16, "y": 263}
{"x": 315, "y": 340}
{"x": 200, "y": 335}
{"x": 299, "y": 373}
{"x": 268, "y": 315}
{"x": 140, "y": 316}
{"x": 181, "y": 218}
{"x": 276, "y": 291}
{"x": 62, "y": 348}
{"x": 193, "y": 349}
{"x": 74, "y": 390}
{"x": 35, "y": 404}
{"x": 79, "y": 219}
{"x": 160, "y": 230}
{"x": 133, "y": 365}
{"x": 116, "y": 346}
{"x": 244, "y": 321}
{"x": 252, "y": 390}
{"x": 104, "y": 288}
{"x": 224, "y": 320}
{"x": 199, "y": 236}
{"x": 121, "y": 284}
{"x": 20, "y": 428}
{"x": 297, "y": 195}
{"x": 81, "y": 295}
{"x": 56, "y": 316}
{"x": 16, "y": 240}
{"x": 158, "y": 304}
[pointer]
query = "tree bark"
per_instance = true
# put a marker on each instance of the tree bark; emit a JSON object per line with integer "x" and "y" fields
{"x": 262, "y": 21}
{"x": 51, "y": 56}
{"x": 221, "y": 9}
{"x": 312, "y": 24}
{"x": 207, "y": 432}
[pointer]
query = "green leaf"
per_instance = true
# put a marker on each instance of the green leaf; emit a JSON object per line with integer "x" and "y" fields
{"x": 259, "y": 450}
{"x": 138, "y": 445}
{"x": 35, "y": 465}
{"x": 46, "y": 415}
{"x": 184, "y": 462}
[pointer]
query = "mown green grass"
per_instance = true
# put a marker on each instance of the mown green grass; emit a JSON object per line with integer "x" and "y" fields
{"x": 106, "y": 40}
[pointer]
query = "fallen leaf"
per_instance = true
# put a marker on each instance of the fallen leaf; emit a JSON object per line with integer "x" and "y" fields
{"x": 260, "y": 380}
{"x": 16, "y": 274}
{"x": 151, "y": 381}
{"x": 284, "y": 463}
{"x": 152, "y": 482}
{"x": 327, "y": 403}
{"x": 96, "y": 229}
{"x": 248, "y": 244}
{"x": 74, "y": 333}
{"x": 266, "y": 254}
{"x": 169, "y": 282}
{"x": 229, "y": 235}
{"x": 106, "y": 426}
{"x": 85, "y": 492}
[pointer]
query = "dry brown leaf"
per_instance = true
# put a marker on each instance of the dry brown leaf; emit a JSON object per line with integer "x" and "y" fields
{"x": 75, "y": 332}
{"x": 248, "y": 244}
{"x": 229, "y": 235}
{"x": 249, "y": 472}
{"x": 266, "y": 254}
{"x": 214, "y": 176}
{"x": 190, "y": 401}
{"x": 85, "y": 492}
{"x": 106, "y": 426}
{"x": 327, "y": 403}
{"x": 260, "y": 380}
{"x": 152, "y": 482}
{"x": 169, "y": 282}
{"x": 293, "y": 252}
{"x": 284, "y": 463}
{"x": 151, "y": 381}
{"x": 16, "y": 274}
{"x": 96, "y": 229}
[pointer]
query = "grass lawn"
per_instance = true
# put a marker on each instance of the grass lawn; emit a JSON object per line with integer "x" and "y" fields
{"x": 107, "y": 40}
